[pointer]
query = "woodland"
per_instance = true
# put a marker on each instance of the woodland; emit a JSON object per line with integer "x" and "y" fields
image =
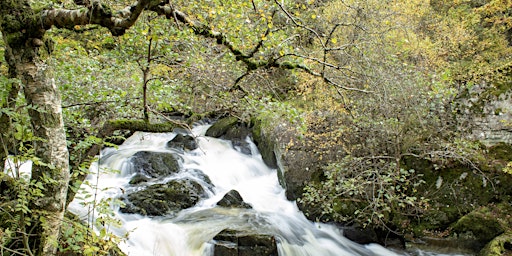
{"x": 376, "y": 91}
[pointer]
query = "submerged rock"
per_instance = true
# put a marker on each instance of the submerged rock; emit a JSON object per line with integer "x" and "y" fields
{"x": 234, "y": 243}
{"x": 164, "y": 199}
{"x": 233, "y": 199}
{"x": 154, "y": 164}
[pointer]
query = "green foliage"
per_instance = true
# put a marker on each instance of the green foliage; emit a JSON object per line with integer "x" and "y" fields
{"x": 92, "y": 235}
{"x": 370, "y": 191}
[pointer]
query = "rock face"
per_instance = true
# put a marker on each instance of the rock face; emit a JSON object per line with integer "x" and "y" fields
{"x": 296, "y": 162}
{"x": 154, "y": 164}
{"x": 233, "y": 199}
{"x": 164, "y": 199}
{"x": 489, "y": 111}
{"x": 233, "y": 243}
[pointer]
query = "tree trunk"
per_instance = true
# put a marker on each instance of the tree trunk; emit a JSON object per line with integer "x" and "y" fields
{"x": 46, "y": 118}
{"x": 44, "y": 108}
{"x": 22, "y": 38}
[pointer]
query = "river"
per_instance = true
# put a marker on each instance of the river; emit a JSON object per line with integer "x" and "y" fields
{"x": 191, "y": 231}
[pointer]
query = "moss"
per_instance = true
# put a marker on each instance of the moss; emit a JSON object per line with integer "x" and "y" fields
{"x": 501, "y": 151}
{"x": 484, "y": 223}
{"x": 461, "y": 191}
{"x": 221, "y": 127}
{"x": 499, "y": 246}
{"x": 140, "y": 125}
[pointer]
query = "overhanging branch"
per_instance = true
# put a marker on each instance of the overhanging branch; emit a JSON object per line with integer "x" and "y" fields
{"x": 96, "y": 13}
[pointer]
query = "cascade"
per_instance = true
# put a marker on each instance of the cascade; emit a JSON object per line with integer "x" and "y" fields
{"x": 218, "y": 167}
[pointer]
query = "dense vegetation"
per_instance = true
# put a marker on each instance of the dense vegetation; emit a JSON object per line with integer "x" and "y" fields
{"x": 371, "y": 88}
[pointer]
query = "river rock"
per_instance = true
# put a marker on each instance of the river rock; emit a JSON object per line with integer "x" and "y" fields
{"x": 233, "y": 199}
{"x": 184, "y": 142}
{"x": 154, "y": 164}
{"x": 234, "y": 243}
{"x": 232, "y": 129}
{"x": 221, "y": 127}
{"x": 164, "y": 199}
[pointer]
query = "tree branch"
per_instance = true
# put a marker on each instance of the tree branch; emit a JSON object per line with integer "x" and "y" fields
{"x": 96, "y": 13}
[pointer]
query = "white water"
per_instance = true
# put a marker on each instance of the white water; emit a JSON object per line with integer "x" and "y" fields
{"x": 191, "y": 231}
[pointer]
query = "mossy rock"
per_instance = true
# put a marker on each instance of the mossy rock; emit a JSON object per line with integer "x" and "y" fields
{"x": 264, "y": 143}
{"x": 233, "y": 199}
{"x": 220, "y": 127}
{"x": 183, "y": 142}
{"x": 501, "y": 151}
{"x": 499, "y": 246}
{"x": 485, "y": 223}
{"x": 232, "y": 129}
{"x": 164, "y": 199}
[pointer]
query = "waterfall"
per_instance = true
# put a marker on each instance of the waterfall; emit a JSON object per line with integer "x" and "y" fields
{"x": 190, "y": 231}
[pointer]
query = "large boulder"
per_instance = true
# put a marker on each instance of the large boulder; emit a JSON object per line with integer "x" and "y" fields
{"x": 164, "y": 199}
{"x": 234, "y": 243}
{"x": 154, "y": 164}
{"x": 233, "y": 199}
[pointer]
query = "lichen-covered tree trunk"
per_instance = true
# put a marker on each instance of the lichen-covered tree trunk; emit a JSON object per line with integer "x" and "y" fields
{"x": 22, "y": 38}
{"x": 45, "y": 113}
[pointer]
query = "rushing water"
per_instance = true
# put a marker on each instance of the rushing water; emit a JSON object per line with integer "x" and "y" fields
{"x": 192, "y": 230}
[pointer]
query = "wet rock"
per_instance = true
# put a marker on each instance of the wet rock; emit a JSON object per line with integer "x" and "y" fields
{"x": 220, "y": 127}
{"x": 266, "y": 144}
{"x": 154, "y": 164}
{"x": 164, "y": 199}
{"x": 138, "y": 179}
{"x": 360, "y": 235}
{"x": 184, "y": 142}
{"x": 202, "y": 176}
{"x": 230, "y": 128}
{"x": 233, "y": 199}
{"x": 234, "y": 243}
